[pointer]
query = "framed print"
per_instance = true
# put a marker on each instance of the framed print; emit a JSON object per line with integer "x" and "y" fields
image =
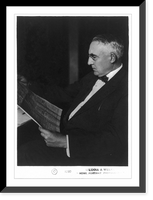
{"x": 63, "y": 134}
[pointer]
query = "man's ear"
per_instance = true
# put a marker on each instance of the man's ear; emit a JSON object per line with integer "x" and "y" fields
{"x": 113, "y": 57}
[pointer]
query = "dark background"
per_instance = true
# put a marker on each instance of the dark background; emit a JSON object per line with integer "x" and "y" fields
{"x": 43, "y": 45}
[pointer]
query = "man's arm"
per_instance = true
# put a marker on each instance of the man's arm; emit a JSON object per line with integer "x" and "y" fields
{"x": 111, "y": 138}
{"x": 55, "y": 94}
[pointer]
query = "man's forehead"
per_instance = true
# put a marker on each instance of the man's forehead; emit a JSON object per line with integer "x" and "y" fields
{"x": 97, "y": 47}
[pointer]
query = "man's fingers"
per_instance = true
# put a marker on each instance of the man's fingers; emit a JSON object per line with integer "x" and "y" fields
{"x": 46, "y": 136}
{"x": 43, "y": 135}
{"x": 50, "y": 144}
{"x": 52, "y": 139}
{"x": 46, "y": 132}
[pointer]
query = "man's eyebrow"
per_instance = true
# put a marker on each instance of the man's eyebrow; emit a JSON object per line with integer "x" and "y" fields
{"x": 92, "y": 55}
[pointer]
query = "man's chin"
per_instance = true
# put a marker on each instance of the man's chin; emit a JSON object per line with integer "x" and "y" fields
{"x": 95, "y": 73}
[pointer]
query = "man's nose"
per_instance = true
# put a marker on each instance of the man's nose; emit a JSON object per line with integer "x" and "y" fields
{"x": 90, "y": 61}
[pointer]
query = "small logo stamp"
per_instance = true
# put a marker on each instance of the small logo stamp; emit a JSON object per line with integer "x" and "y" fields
{"x": 54, "y": 171}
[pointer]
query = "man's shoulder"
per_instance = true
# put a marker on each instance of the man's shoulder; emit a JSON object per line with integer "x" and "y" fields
{"x": 89, "y": 76}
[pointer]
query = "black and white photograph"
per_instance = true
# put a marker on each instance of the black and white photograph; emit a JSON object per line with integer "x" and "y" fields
{"x": 75, "y": 98}
{"x": 77, "y": 64}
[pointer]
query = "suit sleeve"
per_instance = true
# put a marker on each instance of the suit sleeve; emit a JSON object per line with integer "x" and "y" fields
{"x": 58, "y": 95}
{"x": 110, "y": 139}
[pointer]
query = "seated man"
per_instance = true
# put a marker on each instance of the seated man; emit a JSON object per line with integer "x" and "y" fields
{"x": 94, "y": 130}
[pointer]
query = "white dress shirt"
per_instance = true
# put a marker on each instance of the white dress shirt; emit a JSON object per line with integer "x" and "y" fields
{"x": 99, "y": 83}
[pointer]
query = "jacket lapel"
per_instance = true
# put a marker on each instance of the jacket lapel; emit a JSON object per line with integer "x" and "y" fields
{"x": 82, "y": 95}
{"x": 96, "y": 98}
{"x": 99, "y": 95}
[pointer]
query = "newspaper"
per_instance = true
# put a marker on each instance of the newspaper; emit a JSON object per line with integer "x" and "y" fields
{"x": 44, "y": 113}
{"x": 23, "y": 117}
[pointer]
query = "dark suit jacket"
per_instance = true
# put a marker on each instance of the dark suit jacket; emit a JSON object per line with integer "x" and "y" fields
{"x": 98, "y": 132}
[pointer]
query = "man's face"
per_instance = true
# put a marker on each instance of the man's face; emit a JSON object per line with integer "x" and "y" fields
{"x": 100, "y": 58}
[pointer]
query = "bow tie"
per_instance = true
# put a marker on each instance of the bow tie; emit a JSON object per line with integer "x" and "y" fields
{"x": 104, "y": 78}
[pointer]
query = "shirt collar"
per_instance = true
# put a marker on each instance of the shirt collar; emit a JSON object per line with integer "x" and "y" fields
{"x": 112, "y": 73}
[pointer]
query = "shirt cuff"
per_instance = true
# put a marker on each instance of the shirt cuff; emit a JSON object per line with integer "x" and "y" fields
{"x": 67, "y": 149}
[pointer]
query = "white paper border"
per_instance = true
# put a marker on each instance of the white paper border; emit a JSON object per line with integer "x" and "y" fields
{"x": 45, "y": 173}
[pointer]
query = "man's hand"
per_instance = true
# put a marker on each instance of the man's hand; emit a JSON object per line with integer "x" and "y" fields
{"x": 23, "y": 80}
{"x": 53, "y": 139}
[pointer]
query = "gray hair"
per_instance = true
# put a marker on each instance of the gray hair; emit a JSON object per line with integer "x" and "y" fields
{"x": 114, "y": 42}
